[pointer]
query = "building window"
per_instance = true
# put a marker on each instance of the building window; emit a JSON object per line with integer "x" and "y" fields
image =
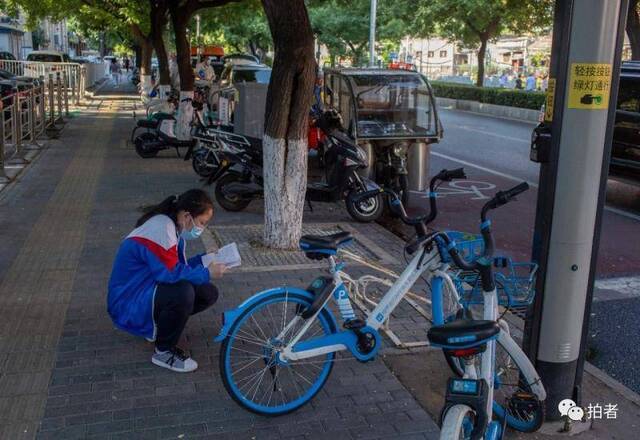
{"x": 506, "y": 57}
{"x": 56, "y": 39}
{"x": 430, "y": 54}
{"x": 443, "y": 54}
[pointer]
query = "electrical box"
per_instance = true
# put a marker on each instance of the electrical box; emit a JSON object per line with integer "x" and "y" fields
{"x": 540, "y": 143}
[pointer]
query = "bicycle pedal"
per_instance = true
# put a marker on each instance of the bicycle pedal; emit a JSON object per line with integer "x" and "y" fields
{"x": 354, "y": 324}
{"x": 524, "y": 402}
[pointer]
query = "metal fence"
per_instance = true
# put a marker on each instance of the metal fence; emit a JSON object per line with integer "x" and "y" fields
{"x": 29, "y": 114}
{"x": 79, "y": 76}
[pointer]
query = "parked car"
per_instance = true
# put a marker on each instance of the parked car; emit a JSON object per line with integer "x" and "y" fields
{"x": 48, "y": 56}
{"x": 7, "y": 89}
{"x": 625, "y": 148}
{"x": 7, "y": 56}
{"x": 625, "y": 152}
{"x": 239, "y": 73}
{"x": 240, "y": 58}
{"x": 6, "y": 75}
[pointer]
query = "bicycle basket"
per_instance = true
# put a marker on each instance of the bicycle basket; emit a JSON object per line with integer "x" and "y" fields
{"x": 515, "y": 284}
{"x": 469, "y": 246}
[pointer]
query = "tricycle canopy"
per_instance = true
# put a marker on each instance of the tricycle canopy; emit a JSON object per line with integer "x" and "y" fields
{"x": 383, "y": 103}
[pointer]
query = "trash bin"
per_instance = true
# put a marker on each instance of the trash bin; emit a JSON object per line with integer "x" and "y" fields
{"x": 248, "y": 117}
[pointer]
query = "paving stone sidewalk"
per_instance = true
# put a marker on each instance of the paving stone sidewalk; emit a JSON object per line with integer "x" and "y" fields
{"x": 66, "y": 373}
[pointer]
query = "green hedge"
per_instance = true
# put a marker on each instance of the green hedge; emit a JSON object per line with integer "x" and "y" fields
{"x": 489, "y": 95}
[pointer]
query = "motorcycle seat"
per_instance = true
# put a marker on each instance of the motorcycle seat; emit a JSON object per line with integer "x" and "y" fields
{"x": 148, "y": 123}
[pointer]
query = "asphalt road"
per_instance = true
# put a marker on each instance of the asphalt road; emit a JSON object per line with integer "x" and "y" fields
{"x": 495, "y": 155}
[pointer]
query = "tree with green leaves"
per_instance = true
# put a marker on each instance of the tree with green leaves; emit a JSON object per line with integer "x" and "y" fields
{"x": 181, "y": 12}
{"x": 476, "y": 22}
{"x": 343, "y": 26}
{"x": 238, "y": 27}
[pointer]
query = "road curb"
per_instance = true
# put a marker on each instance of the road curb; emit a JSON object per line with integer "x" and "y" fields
{"x": 498, "y": 111}
{"x": 610, "y": 382}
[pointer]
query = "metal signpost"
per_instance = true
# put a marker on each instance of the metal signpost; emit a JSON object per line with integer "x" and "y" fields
{"x": 585, "y": 66}
{"x": 372, "y": 33}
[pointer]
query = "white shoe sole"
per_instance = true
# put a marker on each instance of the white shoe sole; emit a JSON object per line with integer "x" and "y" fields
{"x": 169, "y": 367}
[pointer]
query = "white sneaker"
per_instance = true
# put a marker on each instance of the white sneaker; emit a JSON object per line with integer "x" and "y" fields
{"x": 175, "y": 360}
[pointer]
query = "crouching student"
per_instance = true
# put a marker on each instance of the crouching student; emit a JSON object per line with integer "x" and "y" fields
{"x": 154, "y": 288}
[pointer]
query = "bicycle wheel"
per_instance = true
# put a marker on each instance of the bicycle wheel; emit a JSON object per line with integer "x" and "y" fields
{"x": 510, "y": 384}
{"x": 251, "y": 369}
{"x": 457, "y": 423}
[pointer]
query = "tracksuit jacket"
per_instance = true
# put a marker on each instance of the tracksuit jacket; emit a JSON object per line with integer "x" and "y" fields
{"x": 152, "y": 253}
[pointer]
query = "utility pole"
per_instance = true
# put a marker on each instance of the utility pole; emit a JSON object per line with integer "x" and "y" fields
{"x": 372, "y": 33}
{"x": 573, "y": 146}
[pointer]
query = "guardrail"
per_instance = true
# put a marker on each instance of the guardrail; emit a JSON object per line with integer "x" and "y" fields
{"x": 28, "y": 114}
{"x": 79, "y": 76}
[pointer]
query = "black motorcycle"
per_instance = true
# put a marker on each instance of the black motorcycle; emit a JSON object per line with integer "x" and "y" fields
{"x": 343, "y": 158}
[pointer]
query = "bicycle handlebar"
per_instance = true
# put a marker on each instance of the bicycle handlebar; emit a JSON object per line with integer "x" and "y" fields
{"x": 501, "y": 198}
{"x": 396, "y": 203}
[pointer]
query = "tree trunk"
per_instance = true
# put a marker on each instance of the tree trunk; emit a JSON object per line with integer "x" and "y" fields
{"x": 158, "y": 13}
{"x": 180, "y": 19}
{"x": 289, "y": 98}
{"x": 146, "y": 50}
{"x": 138, "y": 52}
{"x": 481, "y": 54}
{"x": 633, "y": 29}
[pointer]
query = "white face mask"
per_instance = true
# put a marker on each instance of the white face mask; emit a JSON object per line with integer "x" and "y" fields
{"x": 193, "y": 233}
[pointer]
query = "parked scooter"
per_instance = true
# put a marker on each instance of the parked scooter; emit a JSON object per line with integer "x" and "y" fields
{"x": 342, "y": 158}
{"x": 160, "y": 134}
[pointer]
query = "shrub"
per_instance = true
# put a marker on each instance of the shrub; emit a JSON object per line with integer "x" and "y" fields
{"x": 489, "y": 95}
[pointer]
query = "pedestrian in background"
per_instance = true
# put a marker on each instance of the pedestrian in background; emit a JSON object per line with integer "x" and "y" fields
{"x": 545, "y": 83}
{"x": 531, "y": 83}
{"x": 204, "y": 71}
{"x": 519, "y": 82}
{"x": 126, "y": 64}
{"x": 503, "y": 80}
{"x": 114, "y": 68}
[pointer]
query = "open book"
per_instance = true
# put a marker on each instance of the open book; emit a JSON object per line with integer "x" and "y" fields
{"x": 227, "y": 255}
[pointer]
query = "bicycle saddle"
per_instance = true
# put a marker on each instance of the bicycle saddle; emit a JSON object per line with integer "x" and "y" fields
{"x": 463, "y": 333}
{"x": 310, "y": 243}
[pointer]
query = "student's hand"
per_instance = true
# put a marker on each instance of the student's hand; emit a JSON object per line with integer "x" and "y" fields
{"x": 217, "y": 270}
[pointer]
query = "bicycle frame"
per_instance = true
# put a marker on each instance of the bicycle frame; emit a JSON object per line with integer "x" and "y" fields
{"x": 425, "y": 260}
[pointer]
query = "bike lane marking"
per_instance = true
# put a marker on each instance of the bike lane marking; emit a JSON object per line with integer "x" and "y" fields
{"x": 531, "y": 184}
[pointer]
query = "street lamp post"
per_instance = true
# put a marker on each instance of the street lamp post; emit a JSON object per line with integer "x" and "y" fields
{"x": 372, "y": 34}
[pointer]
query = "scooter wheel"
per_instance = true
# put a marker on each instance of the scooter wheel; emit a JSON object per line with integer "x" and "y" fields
{"x": 365, "y": 211}
{"x": 146, "y": 145}
{"x": 199, "y": 162}
{"x": 229, "y": 202}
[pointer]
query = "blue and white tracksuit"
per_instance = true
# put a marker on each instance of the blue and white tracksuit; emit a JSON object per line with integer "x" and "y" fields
{"x": 152, "y": 253}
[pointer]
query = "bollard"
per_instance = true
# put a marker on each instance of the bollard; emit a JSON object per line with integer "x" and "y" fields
{"x": 17, "y": 130}
{"x": 65, "y": 81}
{"x": 52, "y": 108}
{"x": 42, "y": 113}
{"x": 72, "y": 84}
{"x": 59, "y": 96}
{"x": 33, "y": 120}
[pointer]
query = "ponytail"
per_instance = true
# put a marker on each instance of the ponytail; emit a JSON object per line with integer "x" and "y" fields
{"x": 194, "y": 201}
{"x": 166, "y": 207}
